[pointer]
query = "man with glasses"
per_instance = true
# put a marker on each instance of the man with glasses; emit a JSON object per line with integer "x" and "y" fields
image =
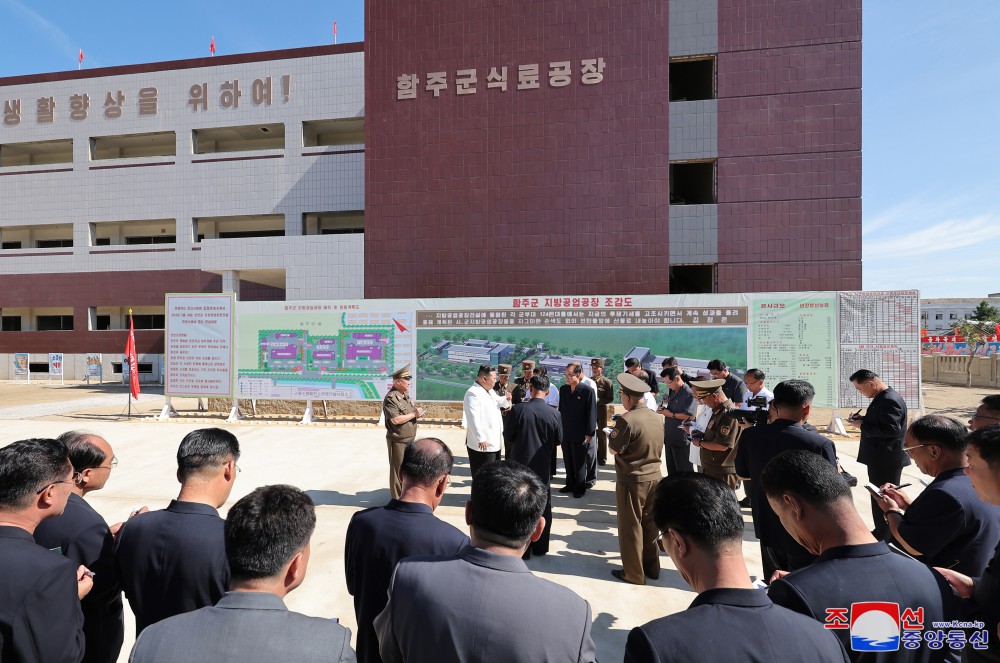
{"x": 578, "y": 409}
{"x": 730, "y": 620}
{"x": 882, "y": 430}
{"x": 400, "y": 424}
{"x": 82, "y": 535}
{"x": 174, "y": 560}
{"x": 484, "y": 423}
{"x": 987, "y": 414}
{"x": 40, "y": 590}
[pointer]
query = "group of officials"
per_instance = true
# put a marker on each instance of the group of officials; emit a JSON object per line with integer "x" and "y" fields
{"x": 207, "y": 588}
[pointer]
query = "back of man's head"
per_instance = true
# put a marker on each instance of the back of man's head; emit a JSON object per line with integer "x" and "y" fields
{"x": 266, "y": 529}
{"x": 794, "y": 394}
{"x": 944, "y": 432}
{"x": 26, "y": 466}
{"x": 507, "y": 501}
{"x": 485, "y": 370}
{"x": 83, "y": 453}
{"x": 426, "y": 460}
{"x": 806, "y": 475}
{"x": 717, "y": 365}
{"x": 204, "y": 450}
{"x": 539, "y": 383}
{"x": 700, "y": 508}
{"x": 863, "y": 375}
{"x": 668, "y": 362}
{"x": 631, "y": 362}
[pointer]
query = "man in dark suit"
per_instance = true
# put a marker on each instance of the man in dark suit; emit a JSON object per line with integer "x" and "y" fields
{"x": 578, "y": 409}
{"x": 174, "y": 560}
{"x": 758, "y": 445}
{"x": 267, "y": 545}
{"x": 734, "y": 388}
{"x": 82, "y": 535}
{"x": 815, "y": 505}
{"x": 730, "y": 620}
{"x": 483, "y": 604}
{"x": 40, "y": 590}
{"x": 532, "y": 431}
{"x": 882, "y": 430}
{"x": 379, "y": 537}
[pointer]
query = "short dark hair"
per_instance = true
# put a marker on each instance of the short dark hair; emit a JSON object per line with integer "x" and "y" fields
{"x": 670, "y": 372}
{"x": 668, "y": 362}
{"x": 642, "y": 375}
{"x": 864, "y": 375}
{"x": 485, "y": 369}
{"x": 716, "y": 365}
{"x": 630, "y": 362}
{"x": 204, "y": 449}
{"x": 539, "y": 383}
{"x": 793, "y": 393}
{"x": 991, "y": 402}
{"x": 83, "y": 453}
{"x": 575, "y": 368}
{"x": 426, "y": 460}
{"x": 265, "y": 529}
{"x": 754, "y": 373}
{"x": 699, "y": 507}
{"x": 26, "y": 466}
{"x": 806, "y": 475}
{"x": 986, "y": 440}
{"x": 507, "y": 501}
{"x": 540, "y": 370}
{"x": 943, "y": 431}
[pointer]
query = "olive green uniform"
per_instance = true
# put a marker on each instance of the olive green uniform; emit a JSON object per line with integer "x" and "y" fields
{"x": 637, "y": 440}
{"x": 722, "y": 429}
{"x": 397, "y": 437}
{"x": 605, "y": 396}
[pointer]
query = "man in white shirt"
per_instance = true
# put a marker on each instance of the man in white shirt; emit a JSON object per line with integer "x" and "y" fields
{"x": 484, "y": 423}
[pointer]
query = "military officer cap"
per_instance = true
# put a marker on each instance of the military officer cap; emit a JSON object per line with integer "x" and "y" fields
{"x": 527, "y": 365}
{"x": 503, "y": 369}
{"x": 402, "y": 373}
{"x": 597, "y": 361}
{"x": 704, "y": 388}
{"x": 632, "y": 385}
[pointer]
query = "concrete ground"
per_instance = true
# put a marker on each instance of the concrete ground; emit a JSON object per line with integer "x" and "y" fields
{"x": 344, "y": 468}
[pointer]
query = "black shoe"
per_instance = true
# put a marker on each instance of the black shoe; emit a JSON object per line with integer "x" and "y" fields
{"x": 591, "y": 484}
{"x": 851, "y": 480}
{"x": 745, "y": 502}
{"x": 579, "y": 493}
{"x": 566, "y": 489}
{"x": 602, "y": 463}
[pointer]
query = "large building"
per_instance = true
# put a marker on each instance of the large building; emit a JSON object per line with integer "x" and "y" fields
{"x": 464, "y": 149}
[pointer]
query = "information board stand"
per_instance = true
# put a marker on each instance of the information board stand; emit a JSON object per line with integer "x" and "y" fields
{"x": 307, "y": 416}
{"x": 168, "y": 410}
{"x": 234, "y": 413}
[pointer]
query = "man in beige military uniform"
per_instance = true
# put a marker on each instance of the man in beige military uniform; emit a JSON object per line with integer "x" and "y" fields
{"x": 400, "y": 424}
{"x": 502, "y": 387}
{"x": 637, "y": 445}
{"x": 722, "y": 434}
{"x": 520, "y": 391}
{"x": 605, "y": 396}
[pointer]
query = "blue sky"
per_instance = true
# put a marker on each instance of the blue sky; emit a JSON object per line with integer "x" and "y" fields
{"x": 931, "y": 169}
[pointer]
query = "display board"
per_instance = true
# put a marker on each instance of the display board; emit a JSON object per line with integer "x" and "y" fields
{"x": 55, "y": 363}
{"x": 348, "y": 349}
{"x": 21, "y": 362}
{"x": 93, "y": 365}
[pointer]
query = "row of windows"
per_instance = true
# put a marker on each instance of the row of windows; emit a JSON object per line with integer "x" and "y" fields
{"x": 12, "y": 323}
{"x": 116, "y": 367}
{"x": 317, "y": 133}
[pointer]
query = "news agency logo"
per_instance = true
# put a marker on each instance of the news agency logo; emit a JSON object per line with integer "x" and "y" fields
{"x": 875, "y": 626}
{"x": 879, "y": 626}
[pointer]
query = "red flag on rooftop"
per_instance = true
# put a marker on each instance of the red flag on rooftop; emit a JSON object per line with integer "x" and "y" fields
{"x": 211, "y": 47}
{"x": 334, "y": 32}
{"x": 133, "y": 360}
{"x": 81, "y": 55}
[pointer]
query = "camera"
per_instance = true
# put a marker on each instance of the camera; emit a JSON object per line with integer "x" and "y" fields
{"x": 757, "y": 416}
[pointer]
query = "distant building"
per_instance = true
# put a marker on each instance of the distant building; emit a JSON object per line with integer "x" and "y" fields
{"x": 556, "y": 364}
{"x": 475, "y": 351}
{"x": 938, "y": 316}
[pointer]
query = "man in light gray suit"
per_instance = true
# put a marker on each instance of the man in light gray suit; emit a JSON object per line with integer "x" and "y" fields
{"x": 483, "y": 604}
{"x": 267, "y": 545}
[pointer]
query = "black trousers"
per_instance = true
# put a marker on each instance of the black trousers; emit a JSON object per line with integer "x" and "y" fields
{"x": 541, "y": 546}
{"x": 878, "y": 474}
{"x": 775, "y": 559}
{"x": 479, "y": 458}
{"x": 678, "y": 459}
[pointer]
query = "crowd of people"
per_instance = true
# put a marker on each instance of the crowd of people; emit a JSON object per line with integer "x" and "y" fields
{"x": 206, "y": 588}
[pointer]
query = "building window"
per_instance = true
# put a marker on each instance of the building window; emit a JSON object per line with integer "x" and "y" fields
{"x": 236, "y": 227}
{"x": 128, "y": 233}
{"x": 333, "y": 223}
{"x": 347, "y": 131}
{"x": 692, "y": 279}
{"x": 11, "y": 323}
{"x": 144, "y": 368}
{"x": 12, "y": 245}
{"x": 692, "y": 79}
{"x": 37, "y": 153}
{"x": 151, "y": 239}
{"x": 148, "y": 321}
{"x": 103, "y": 323}
{"x": 158, "y": 144}
{"x": 953, "y": 316}
{"x": 239, "y": 139}
{"x": 54, "y": 243}
{"x": 54, "y": 323}
{"x": 692, "y": 183}
{"x": 939, "y": 316}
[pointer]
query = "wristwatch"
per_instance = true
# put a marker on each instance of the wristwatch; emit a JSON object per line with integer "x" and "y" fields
{"x": 885, "y": 516}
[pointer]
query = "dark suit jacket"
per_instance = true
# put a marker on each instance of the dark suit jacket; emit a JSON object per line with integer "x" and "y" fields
{"x": 244, "y": 627}
{"x": 882, "y": 431}
{"x": 869, "y": 572}
{"x": 735, "y": 389}
{"x": 40, "y": 617}
{"x": 579, "y": 412}
{"x": 480, "y": 606}
{"x": 756, "y": 631}
{"x": 172, "y": 561}
{"x": 758, "y": 445}
{"x": 83, "y": 536}
{"x": 532, "y": 431}
{"x": 377, "y": 539}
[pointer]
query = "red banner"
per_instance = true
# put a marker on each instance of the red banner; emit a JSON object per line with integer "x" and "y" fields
{"x": 133, "y": 361}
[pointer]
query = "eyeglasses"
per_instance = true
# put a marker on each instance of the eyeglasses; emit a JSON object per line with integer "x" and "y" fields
{"x": 238, "y": 470}
{"x": 48, "y": 485}
{"x": 659, "y": 542}
{"x": 983, "y": 416}
{"x": 910, "y": 449}
{"x": 110, "y": 466}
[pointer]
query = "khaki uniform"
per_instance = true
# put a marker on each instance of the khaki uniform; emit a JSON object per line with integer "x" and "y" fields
{"x": 519, "y": 391}
{"x": 722, "y": 429}
{"x": 605, "y": 396}
{"x": 394, "y": 404}
{"x": 637, "y": 441}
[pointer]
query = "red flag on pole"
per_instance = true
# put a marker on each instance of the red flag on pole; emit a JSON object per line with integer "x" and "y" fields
{"x": 81, "y": 55}
{"x": 211, "y": 47}
{"x": 133, "y": 361}
{"x": 334, "y": 32}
